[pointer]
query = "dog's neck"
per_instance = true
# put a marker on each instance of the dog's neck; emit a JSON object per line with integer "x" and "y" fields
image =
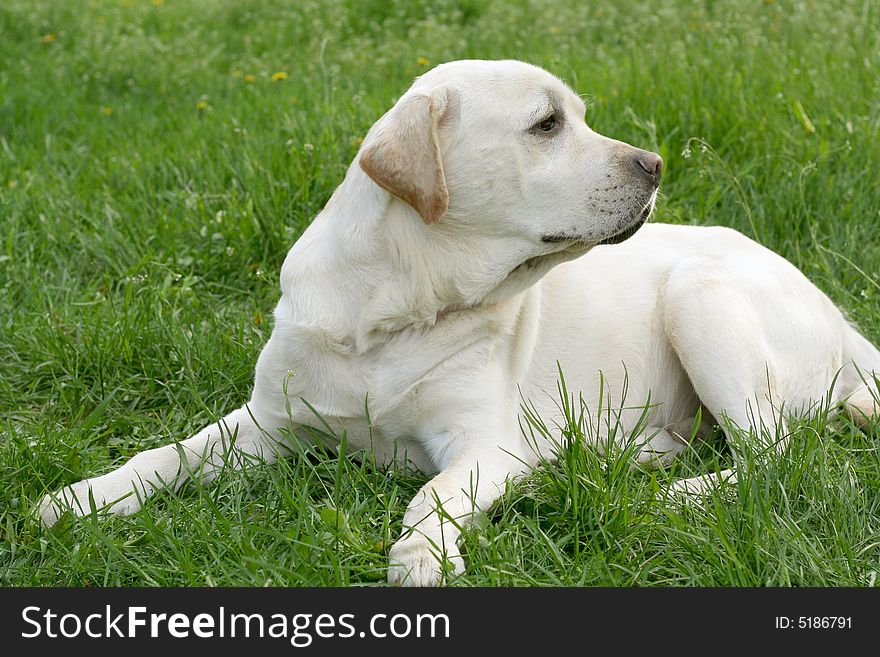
{"x": 379, "y": 269}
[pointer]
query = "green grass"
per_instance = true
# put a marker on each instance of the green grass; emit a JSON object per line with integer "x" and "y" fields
{"x": 153, "y": 176}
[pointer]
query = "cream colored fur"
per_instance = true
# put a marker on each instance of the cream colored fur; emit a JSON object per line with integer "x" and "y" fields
{"x": 458, "y": 262}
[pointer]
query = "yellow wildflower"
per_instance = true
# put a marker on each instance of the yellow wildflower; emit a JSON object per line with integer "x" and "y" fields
{"x": 202, "y": 105}
{"x": 106, "y": 110}
{"x": 249, "y": 78}
{"x": 421, "y": 61}
{"x": 158, "y": 3}
{"x": 280, "y": 75}
{"x": 48, "y": 38}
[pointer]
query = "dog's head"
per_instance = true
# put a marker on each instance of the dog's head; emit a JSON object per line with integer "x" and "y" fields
{"x": 500, "y": 150}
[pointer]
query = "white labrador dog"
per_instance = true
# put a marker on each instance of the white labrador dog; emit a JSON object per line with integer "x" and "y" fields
{"x": 447, "y": 277}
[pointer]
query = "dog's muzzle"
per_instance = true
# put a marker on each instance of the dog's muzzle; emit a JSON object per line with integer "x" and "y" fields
{"x": 631, "y": 230}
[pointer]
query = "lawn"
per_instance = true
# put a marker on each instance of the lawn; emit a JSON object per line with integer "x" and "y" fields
{"x": 158, "y": 158}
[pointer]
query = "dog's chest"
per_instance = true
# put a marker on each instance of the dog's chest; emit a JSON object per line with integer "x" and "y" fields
{"x": 393, "y": 391}
{"x": 376, "y": 409}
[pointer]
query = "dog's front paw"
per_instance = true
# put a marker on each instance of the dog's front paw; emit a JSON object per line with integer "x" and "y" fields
{"x": 75, "y": 498}
{"x": 414, "y": 561}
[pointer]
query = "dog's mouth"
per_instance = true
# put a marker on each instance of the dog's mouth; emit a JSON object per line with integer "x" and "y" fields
{"x": 629, "y": 231}
{"x": 617, "y": 237}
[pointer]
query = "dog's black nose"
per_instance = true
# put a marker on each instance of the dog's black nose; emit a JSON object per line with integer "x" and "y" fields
{"x": 650, "y": 163}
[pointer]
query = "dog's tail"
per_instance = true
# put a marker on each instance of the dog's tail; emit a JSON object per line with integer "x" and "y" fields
{"x": 862, "y": 401}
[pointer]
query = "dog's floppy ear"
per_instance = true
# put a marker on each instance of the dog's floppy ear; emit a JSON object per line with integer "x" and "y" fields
{"x": 402, "y": 152}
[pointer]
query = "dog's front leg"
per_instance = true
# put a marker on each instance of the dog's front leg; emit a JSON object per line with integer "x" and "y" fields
{"x": 427, "y": 552}
{"x": 234, "y": 441}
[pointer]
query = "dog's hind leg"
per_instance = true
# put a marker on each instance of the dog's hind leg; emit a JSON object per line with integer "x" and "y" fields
{"x": 728, "y": 346}
{"x": 658, "y": 447}
{"x": 234, "y": 441}
{"x": 860, "y": 378}
{"x": 862, "y": 405}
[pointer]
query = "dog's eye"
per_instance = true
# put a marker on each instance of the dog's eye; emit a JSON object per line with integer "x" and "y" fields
{"x": 547, "y": 124}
